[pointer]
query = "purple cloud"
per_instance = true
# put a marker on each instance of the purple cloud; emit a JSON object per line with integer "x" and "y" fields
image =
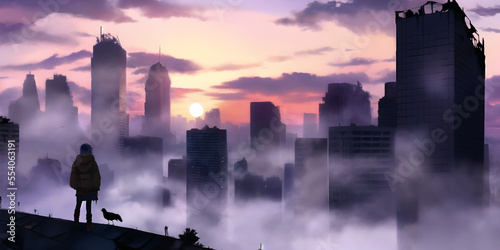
{"x": 143, "y": 59}
{"x": 17, "y": 33}
{"x": 486, "y": 11}
{"x": 355, "y": 14}
{"x": 160, "y": 9}
{"x": 81, "y": 95}
{"x": 289, "y": 83}
{"x": 6, "y": 96}
{"x": 318, "y": 51}
{"x": 51, "y": 62}
{"x": 179, "y": 93}
{"x": 235, "y": 96}
{"x": 234, "y": 67}
{"x": 492, "y": 30}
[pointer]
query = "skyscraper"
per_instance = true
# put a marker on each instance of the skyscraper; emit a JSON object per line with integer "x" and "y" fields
{"x": 157, "y": 105}
{"x": 59, "y": 103}
{"x": 9, "y": 131}
{"x": 206, "y": 175}
{"x": 109, "y": 92}
{"x": 27, "y": 106}
{"x": 310, "y": 125}
{"x": 387, "y": 107}
{"x": 267, "y": 134}
{"x": 360, "y": 158}
{"x": 440, "y": 110}
{"x": 212, "y": 118}
{"x": 344, "y": 104}
{"x": 311, "y": 175}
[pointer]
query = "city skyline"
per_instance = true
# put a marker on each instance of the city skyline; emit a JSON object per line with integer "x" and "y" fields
{"x": 252, "y": 172}
{"x": 216, "y": 80}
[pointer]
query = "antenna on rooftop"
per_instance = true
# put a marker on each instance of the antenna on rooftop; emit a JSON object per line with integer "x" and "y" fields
{"x": 100, "y": 33}
{"x": 159, "y": 54}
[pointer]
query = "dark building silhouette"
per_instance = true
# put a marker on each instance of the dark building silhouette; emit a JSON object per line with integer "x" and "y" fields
{"x": 273, "y": 188}
{"x": 311, "y": 175}
{"x": 143, "y": 155}
{"x": 47, "y": 171}
{"x": 212, "y": 118}
{"x": 248, "y": 187}
{"x": 176, "y": 182}
{"x": 344, "y": 104}
{"x": 109, "y": 93}
{"x": 360, "y": 158}
{"x": 440, "y": 100}
{"x": 206, "y": 175}
{"x": 310, "y": 125}
{"x": 177, "y": 170}
{"x": 267, "y": 134}
{"x": 8, "y": 131}
{"x": 387, "y": 107}
{"x": 59, "y": 107}
{"x": 288, "y": 188}
{"x": 157, "y": 106}
{"x": 240, "y": 168}
{"x": 27, "y": 106}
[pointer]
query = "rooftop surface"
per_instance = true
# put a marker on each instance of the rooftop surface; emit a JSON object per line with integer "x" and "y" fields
{"x": 40, "y": 232}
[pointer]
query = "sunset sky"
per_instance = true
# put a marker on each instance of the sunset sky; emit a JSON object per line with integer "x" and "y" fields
{"x": 222, "y": 53}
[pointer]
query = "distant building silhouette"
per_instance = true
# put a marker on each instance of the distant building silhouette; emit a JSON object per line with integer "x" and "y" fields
{"x": 143, "y": 155}
{"x": 212, "y": 118}
{"x": 177, "y": 170}
{"x": 344, "y": 104}
{"x": 27, "y": 106}
{"x": 8, "y": 131}
{"x": 273, "y": 188}
{"x": 206, "y": 175}
{"x": 47, "y": 171}
{"x": 240, "y": 168}
{"x": 360, "y": 158}
{"x": 248, "y": 187}
{"x": 157, "y": 106}
{"x": 387, "y": 107}
{"x": 267, "y": 134}
{"x": 310, "y": 125}
{"x": 288, "y": 188}
{"x": 59, "y": 107}
{"x": 440, "y": 97}
{"x": 311, "y": 175}
{"x": 109, "y": 92}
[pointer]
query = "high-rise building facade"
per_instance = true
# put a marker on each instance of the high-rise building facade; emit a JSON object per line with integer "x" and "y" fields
{"x": 109, "y": 92}
{"x": 27, "y": 107}
{"x": 206, "y": 175}
{"x": 440, "y": 70}
{"x": 157, "y": 106}
{"x": 59, "y": 107}
{"x": 387, "y": 107}
{"x": 360, "y": 158}
{"x": 310, "y": 125}
{"x": 268, "y": 136}
{"x": 311, "y": 175}
{"x": 9, "y": 133}
{"x": 344, "y": 104}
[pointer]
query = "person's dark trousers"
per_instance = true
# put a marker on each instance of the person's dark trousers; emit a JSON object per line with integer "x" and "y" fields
{"x": 77, "y": 210}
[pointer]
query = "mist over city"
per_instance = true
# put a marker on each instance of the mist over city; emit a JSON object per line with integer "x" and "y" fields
{"x": 285, "y": 125}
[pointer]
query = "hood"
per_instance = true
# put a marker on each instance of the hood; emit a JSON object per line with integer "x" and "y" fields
{"x": 84, "y": 162}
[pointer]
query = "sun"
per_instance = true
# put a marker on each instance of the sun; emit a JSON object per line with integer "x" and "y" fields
{"x": 196, "y": 110}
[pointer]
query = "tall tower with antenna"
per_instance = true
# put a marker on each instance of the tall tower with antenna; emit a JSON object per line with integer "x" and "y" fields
{"x": 157, "y": 106}
{"x": 108, "y": 65}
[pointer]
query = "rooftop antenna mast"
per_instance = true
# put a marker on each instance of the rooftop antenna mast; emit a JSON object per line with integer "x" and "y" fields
{"x": 100, "y": 33}
{"x": 159, "y": 54}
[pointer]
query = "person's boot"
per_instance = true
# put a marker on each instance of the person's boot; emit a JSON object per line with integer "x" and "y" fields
{"x": 76, "y": 218}
{"x": 90, "y": 226}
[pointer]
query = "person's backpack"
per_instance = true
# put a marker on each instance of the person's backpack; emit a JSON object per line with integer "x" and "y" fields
{"x": 85, "y": 180}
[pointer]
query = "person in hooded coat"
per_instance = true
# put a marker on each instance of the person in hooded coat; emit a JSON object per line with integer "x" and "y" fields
{"x": 86, "y": 180}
